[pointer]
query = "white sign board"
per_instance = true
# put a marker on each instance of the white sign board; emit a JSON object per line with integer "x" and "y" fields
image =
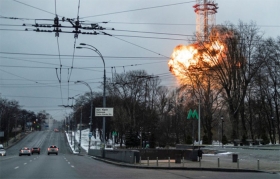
{"x": 103, "y": 112}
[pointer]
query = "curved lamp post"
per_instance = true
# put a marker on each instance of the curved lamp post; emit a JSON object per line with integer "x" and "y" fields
{"x": 90, "y": 47}
{"x": 90, "y": 124}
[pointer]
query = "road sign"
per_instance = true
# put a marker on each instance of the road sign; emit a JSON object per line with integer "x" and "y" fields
{"x": 192, "y": 114}
{"x": 114, "y": 133}
{"x": 104, "y": 112}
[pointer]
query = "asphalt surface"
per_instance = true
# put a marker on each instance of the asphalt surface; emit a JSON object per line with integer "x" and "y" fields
{"x": 259, "y": 158}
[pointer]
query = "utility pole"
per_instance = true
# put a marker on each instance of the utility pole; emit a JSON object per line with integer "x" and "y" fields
{"x": 80, "y": 139}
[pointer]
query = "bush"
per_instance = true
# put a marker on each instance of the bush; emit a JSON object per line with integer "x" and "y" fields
{"x": 265, "y": 139}
{"x": 224, "y": 140}
{"x": 189, "y": 140}
{"x": 205, "y": 140}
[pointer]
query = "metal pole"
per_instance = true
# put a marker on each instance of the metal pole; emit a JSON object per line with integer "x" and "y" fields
{"x": 168, "y": 161}
{"x": 222, "y": 119}
{"x": 238, "y": 163}
{"x": 104, "y": 86}
{"x": 91, "y": 99}
{"x": 104, "y": 103}
{"x": 157, "y": 161}
{"x": 199, "y": 122}
{"x": 80, "y": 139}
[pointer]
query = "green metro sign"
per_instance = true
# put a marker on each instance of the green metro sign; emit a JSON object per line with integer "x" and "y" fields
{"x": 114, "y": 133}
{"x": 192, "y": 114}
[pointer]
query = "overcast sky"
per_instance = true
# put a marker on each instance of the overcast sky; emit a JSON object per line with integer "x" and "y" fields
{"x": 29, "y": 59}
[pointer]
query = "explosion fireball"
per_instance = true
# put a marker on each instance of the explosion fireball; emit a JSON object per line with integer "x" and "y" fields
{"x": 194, "y": 55}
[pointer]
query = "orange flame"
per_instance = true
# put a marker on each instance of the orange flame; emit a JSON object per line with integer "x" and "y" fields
{"x": 184, "y": 56}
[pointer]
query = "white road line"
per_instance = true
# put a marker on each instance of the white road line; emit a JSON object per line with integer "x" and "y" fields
{"x": 69, "y": 163}
{"x": 17, "y": 167}
{"x": 72, "y": 166}
{"x": 25, "y": 163}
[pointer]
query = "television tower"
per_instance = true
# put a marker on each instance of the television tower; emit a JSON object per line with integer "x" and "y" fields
{"x": 205, "y": 18}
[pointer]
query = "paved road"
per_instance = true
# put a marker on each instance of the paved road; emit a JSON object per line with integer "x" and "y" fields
{"x": 67, "y": 165}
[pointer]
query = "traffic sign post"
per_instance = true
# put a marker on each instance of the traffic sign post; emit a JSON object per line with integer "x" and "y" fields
{"x": 90, "y": 134}
{"x": 104, "y": 112}
{"x": 114, "y": 133}
{"x": 193, "y": 115}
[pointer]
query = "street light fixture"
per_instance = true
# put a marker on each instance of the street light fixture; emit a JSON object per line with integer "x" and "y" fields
{"x": 222, "y": 120}
{"x": 90, "y": 47}
{"x": 90, "y": 125}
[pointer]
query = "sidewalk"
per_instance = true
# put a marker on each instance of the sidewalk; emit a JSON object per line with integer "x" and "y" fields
{"x": 248, "y": 161}
{"x": 12, "y": 141}
{"x": 251, "y": 159}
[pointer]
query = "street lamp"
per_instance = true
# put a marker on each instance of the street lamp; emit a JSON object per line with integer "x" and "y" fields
{"x": 273, "y": 130}
{"x": 222, "y": 120}
{"x": 90, "y": 47}
{"x": 90, "y": 125}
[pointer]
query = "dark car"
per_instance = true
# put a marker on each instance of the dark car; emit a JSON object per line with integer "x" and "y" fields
{"x": 24, "y": 151}
{"x": 53, "y": 150}
{"x": 35, "y": 150}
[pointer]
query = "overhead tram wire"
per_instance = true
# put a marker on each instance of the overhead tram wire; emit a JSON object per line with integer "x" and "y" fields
{"x": 77, "y": 23}
{"x": 140, "y": 9}
{"x": 35, "y": 7}
{"x": 56, "y": 23}
{"x": 85, "y": 56}
{"x": 139, "y": 46}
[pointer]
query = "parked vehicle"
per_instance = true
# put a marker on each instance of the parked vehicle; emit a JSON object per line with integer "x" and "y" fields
{"x": 53, "y": 150}
{"x": 35, "y": 150}
{"x": 25, "y": 151}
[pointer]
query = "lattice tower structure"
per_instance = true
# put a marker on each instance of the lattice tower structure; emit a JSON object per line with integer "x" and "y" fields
{"x": 205, "y": 18}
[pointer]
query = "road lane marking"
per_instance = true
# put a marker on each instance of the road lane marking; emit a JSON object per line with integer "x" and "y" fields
{"x": 69, "y": 163}
{"x": 17, "y": 167}
{"x": 72, "y": 166}
{"x": 25, "y": 163}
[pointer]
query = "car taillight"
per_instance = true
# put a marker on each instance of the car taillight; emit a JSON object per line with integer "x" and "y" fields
{"x": 48, "y": 148}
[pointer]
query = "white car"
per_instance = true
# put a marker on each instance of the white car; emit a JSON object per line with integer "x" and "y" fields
{"x": 2, "y": 151}
{"x": 25, "y": 151}
{"x": 53, "y": 150}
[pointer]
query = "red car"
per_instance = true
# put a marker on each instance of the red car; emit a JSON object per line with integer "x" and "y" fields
{"x": 35, "y": 150}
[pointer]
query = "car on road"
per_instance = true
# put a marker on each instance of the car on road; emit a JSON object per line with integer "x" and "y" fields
{"x": 56, "y": 130}
{"x": 2, "y": 151}
{"x": 35, "y": 150}
{"x": 24, "y": 151}
{"x": 53, "y": 150}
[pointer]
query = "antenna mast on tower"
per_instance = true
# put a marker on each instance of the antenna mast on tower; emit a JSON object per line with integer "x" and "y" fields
{"x": 205, "y": 18}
